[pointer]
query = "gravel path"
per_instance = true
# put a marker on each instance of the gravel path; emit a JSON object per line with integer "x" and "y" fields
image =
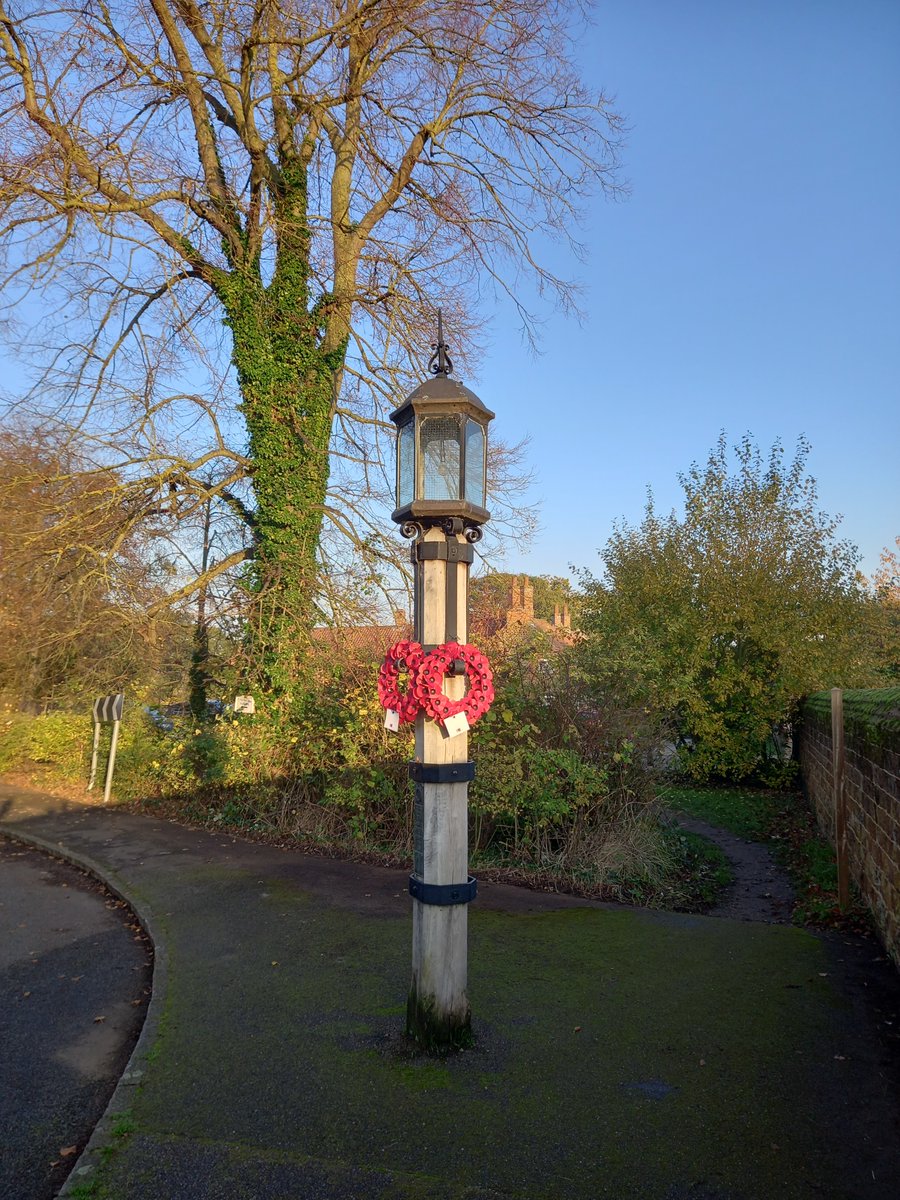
{"x": 761, "y": 890}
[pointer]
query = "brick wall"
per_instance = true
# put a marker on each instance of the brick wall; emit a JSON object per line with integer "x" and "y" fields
{"x": 872, "y": 792}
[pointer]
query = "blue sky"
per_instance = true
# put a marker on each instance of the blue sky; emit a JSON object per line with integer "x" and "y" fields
{"x": 751, "y": 282}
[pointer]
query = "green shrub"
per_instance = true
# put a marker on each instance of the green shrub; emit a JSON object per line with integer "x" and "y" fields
{"x": 55, "y": 744}
{"x": 14, "y": 738}
{"x": 560, "y": 784}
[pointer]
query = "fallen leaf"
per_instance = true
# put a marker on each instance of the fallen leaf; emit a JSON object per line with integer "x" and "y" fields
{"x": 26, "y": 993}
{"x": 99, "y": 1020}
{"x": 577, "y": 1029}
{"x": 274, "y": 964}
{"x": 67, "y": 1151}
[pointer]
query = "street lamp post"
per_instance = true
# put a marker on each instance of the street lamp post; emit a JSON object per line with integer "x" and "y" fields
{"x": 441, "y": 492}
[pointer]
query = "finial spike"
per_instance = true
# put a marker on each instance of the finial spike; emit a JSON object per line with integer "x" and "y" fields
{"x": 440, "y": 363}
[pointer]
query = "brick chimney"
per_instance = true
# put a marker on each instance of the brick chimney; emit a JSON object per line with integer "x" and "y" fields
{"x": 521, "y": 606}
{"x": 528, "y": 598}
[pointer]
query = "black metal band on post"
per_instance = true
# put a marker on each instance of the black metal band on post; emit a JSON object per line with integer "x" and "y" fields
{"x": 457, "y": 665}
{"x": 443, "y": 893}
{"x": 450, "y": 551}
{"x": 461, "y": 772}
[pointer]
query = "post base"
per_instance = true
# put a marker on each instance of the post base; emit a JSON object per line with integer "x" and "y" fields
{"x": 434, "y": 1031}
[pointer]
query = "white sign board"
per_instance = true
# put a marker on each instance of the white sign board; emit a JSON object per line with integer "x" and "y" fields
{"x": 458, "y": 723}
{"x": 245, "y": 704}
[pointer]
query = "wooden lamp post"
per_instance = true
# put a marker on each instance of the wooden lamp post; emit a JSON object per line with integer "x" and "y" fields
{"x": 441, "y": 487}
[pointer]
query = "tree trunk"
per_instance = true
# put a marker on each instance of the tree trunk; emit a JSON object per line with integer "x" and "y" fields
{"x": 287, "y": 387}
{"x": 199, "y": 672}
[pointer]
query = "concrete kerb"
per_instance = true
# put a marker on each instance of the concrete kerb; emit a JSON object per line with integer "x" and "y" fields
{"x": 121, "y": 1100}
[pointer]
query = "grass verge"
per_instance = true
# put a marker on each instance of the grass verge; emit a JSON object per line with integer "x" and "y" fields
{"x": 684, "y": 873}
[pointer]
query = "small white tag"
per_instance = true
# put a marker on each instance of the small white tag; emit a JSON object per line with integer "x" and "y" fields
{"x": 392, "y": 720}
{"x": 456, "y": 725}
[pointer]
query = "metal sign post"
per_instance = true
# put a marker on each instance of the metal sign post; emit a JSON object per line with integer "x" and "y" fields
{"x": 106, "y": 709}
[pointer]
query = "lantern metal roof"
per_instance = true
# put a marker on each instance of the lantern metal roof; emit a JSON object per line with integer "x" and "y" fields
{"x": 440, "y": 391}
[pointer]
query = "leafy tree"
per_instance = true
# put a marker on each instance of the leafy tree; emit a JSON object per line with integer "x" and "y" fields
{"x": 308, "y": 177}
{"x": 884, "y": 613}
{"x": 724, "y": 616}
{"x": 886, "y": 580}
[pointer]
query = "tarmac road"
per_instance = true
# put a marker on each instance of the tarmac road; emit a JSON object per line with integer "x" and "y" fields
{"x": 74, "y": 983}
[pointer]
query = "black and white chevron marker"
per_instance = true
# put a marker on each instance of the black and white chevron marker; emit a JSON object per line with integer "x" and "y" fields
{"x": 109, "y": 708}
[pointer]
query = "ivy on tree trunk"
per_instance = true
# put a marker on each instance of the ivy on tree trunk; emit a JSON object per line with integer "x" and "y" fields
{"x": 288, "y": 370}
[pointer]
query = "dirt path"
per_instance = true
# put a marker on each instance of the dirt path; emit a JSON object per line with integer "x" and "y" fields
{"x": 761, "y": 890}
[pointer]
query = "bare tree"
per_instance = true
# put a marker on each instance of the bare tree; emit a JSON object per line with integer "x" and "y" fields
{"x": 251, "y": 206}
{"x": 76, "y": 581}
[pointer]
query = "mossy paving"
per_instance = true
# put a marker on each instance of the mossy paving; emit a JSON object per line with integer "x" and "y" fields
{"x": 619, "y": 1053}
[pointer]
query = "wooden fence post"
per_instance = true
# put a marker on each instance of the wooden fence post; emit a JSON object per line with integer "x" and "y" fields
{"x": 840, "y": 806}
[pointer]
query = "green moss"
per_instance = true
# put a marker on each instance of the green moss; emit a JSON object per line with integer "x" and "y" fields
{"x": 123, "y": 1125}
{"x": 870, "y": 714}
{"x": 86, "y": 1190}
{"x": 436, "y": 1032}
{"x": 425, "y": 1076}
{"x": 576, "y": 1014}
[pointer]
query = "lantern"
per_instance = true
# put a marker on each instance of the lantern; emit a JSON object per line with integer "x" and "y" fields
{"x": 441, "y": 450}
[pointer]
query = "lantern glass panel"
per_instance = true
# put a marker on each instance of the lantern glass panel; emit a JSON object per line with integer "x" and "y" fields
{"x": 440, "y": 458}
{"x": 406, "y": 463}
{"x": 475, "y": 463}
